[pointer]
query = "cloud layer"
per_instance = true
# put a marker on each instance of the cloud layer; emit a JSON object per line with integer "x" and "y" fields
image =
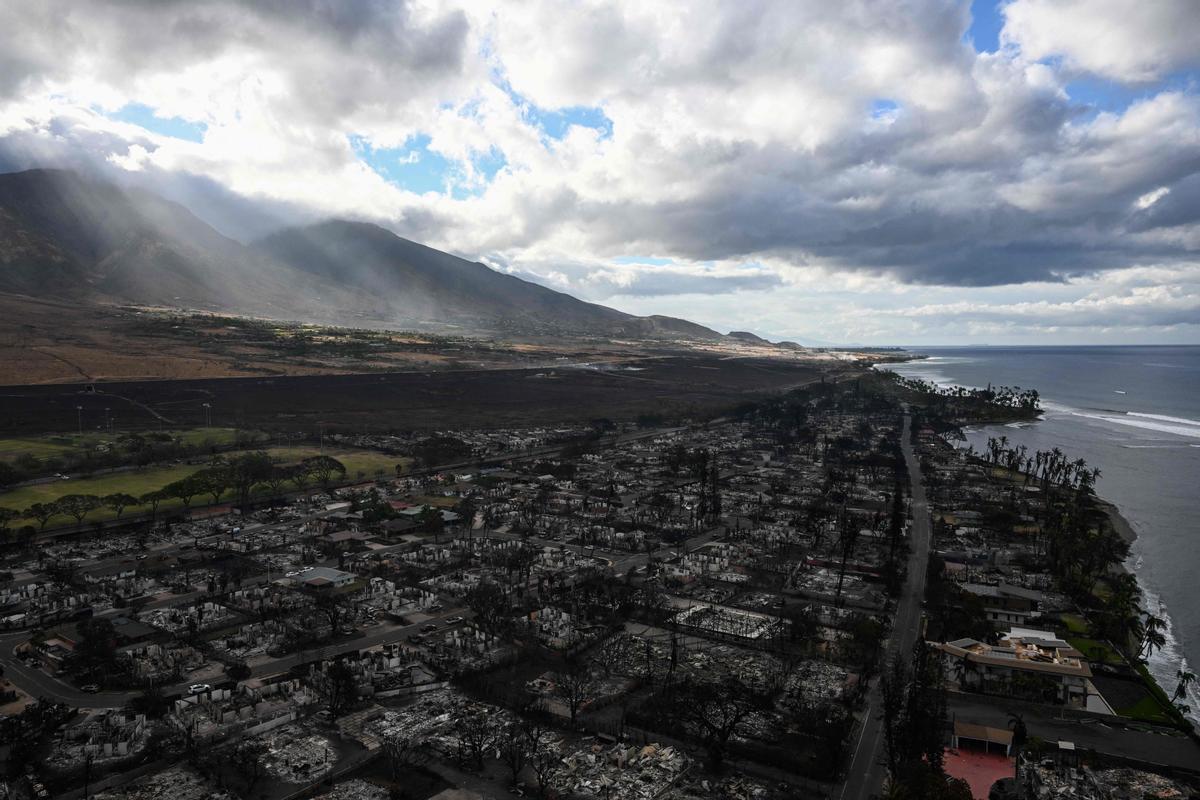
{"x": 724, "y": 161}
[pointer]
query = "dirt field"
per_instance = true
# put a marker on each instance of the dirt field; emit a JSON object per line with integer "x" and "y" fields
{"x": 410, "y": 400}
{"x": 44, "y": 341}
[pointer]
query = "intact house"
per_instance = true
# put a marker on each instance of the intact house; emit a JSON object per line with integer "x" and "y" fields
{"x": 1006, "y": 604}
{"x": 1032, "y": 665}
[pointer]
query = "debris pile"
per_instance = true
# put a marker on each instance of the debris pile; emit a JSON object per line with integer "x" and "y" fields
{"x": 732, "y": 788}
{"x": 356, "y": 789}
{"x": 628, "y": 772}
{"x": 176, "y": 783}
{"x": 1046, "y": 780}
{"x": 294, "y": 756}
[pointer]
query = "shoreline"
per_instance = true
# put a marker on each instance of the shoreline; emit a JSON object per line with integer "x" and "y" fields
{"x": 1122, "y": 527}
{"x": 1120, "y": 524}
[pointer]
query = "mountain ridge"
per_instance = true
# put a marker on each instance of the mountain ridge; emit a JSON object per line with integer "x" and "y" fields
{"x": 63, "y": 234}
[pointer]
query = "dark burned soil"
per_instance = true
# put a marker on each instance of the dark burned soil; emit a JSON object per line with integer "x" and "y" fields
{"x": 410, "y": 400}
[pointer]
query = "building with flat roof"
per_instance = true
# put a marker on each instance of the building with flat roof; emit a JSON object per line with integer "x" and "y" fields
{"x": 1005, "y": 604}
{"x": 320, "y": 578}
{"x": 1033, "y": 665}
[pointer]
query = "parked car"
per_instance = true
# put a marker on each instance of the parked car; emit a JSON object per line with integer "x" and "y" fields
{"x": 453, "y": 620}
{"x": 90, "y": 688}
{"x": 199, "y": 688}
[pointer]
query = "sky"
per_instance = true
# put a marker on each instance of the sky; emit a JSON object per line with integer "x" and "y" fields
{"x": 915, "y": 172}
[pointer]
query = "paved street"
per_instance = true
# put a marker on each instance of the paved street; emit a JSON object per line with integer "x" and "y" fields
{"x": 868, "y": 762}
{"x": 1091, "y": 733}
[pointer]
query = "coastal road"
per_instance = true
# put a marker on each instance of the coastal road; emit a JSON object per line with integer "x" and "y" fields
{"x": 1106, "y": 735}
{"x": 864, "y": 778}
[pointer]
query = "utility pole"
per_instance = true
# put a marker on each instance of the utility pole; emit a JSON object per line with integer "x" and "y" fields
{"x": 208, "y": 415}
{"x": 79, "y": 418}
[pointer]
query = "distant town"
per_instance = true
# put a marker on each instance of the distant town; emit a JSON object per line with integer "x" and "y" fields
{"x": 819, "y": 594}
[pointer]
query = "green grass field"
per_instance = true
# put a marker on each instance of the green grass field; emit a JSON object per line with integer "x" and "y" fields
{"x": 356, "y": 461}
{"x": 1148, "y": 709}
{"x": 12, "y": 449}
{"x": 1095, "y": 650}
{"x": 137, "y": 483}
{"x": 44, "y": 447}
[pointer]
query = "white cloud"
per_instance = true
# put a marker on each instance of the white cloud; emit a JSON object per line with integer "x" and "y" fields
{"x": 741, "y": 134}
{"x": 1127, "y": 40}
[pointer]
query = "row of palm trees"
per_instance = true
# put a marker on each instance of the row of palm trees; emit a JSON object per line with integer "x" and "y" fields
{"x": 1013, "y": 397}
{"x": 1082, "y": 551}
{"x": 1050, "y": 467}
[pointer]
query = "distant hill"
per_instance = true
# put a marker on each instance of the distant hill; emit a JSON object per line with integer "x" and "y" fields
{"x": 746, "y": 336}
{"x": 66, "y": 235}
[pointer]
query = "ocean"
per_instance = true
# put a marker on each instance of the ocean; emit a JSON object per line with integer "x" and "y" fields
{"x": 1134, "y": 412}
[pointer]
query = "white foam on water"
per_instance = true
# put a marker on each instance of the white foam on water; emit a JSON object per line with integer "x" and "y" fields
{"x": 1165, "y": 663}
{"x": 1165, "y": 418}
{"x": 1159, "y": 423}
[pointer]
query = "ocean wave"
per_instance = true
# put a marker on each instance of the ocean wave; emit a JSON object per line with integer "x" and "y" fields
{"x": 1150, "y": 422}
{"x": 1165, "y": 663}
{"x": 1165, "y": 418}
{"x": 1157, "y": 446}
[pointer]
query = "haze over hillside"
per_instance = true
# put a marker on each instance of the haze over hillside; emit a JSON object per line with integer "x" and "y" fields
{"x": 66, "y": 235}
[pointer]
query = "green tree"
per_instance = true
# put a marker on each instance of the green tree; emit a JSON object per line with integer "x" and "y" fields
{"x": 323, "y": 468}
{"x": 184, "y": 489}
{"x": 42, "y": 512}
{"x": 247, "y": 471}
{"x": 276, "y": 478}
{"x": 1153, "y": 636}
{"x": 299, "y": 475}
{"x": 119, "y": 501}
{"x": 214, "y": 481}
{"x": 154, "y": 500}
{"x": 79, "y": 505}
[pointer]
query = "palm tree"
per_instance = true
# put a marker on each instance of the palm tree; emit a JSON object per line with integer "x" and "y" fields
{"x": 1016, "y": 723}
{"x": 1186, "y": 679}
{"x": 1153, "y": 637}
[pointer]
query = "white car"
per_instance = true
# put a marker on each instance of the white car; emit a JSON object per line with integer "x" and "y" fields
{"x": 199, "y": 688}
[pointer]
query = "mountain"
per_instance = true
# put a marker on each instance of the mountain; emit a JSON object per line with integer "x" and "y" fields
{"x": 746, "y": 336}
{"x": 65, "y": 235}
{"x": 411, "y": 281}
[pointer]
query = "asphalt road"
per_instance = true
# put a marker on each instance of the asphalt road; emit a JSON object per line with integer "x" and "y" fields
{"x": 864, "y": 778}
{"x": 1092, "y": 733}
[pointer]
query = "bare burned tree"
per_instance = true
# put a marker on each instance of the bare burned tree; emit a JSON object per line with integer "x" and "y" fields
{"x": 475, "y": 735}
{"x": 716, "y": 713}
{"x": 400, "y": 751}
{"x": 543, "y": 758}
{"x": 574, "y": 685}
{"x": 520, "y": 744}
